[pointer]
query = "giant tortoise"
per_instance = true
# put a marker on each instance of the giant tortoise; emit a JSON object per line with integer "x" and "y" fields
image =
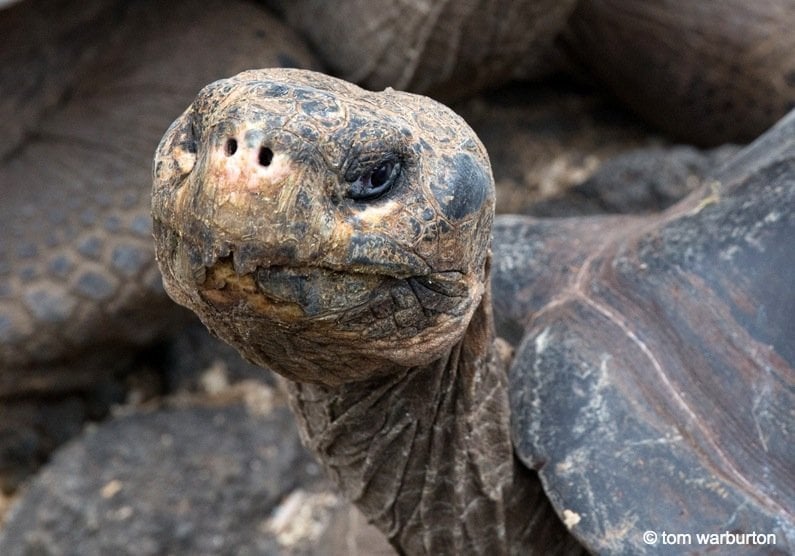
{"x": 343, "y": 238}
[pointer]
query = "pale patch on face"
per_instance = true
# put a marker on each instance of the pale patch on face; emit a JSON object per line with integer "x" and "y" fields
{"x": 244, "y": 172}
{"x": 237, "y": 178}
{"x": 185, "y": 160}
{"x": 280, "y": 167}
{"x": 339, "y": 235}
{"x": 376, "y": 214}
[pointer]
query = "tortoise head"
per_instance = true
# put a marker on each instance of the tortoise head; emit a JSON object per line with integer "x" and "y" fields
{"x": 327, "y": 232}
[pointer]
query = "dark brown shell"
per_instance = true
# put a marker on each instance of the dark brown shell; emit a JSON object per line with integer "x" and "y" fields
{"x": 654, "y": 389}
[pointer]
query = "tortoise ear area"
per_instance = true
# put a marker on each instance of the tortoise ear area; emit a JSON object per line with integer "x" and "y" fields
{"x": 463, "y": 187}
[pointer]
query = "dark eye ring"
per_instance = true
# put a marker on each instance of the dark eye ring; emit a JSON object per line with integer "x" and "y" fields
{"x": 376, "y": 181}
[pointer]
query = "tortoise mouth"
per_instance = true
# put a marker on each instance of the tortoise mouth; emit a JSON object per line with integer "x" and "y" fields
{"x": 316, "y": 291}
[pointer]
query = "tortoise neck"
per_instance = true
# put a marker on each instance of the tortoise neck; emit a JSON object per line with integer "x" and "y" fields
{"x": 426, "y": 453}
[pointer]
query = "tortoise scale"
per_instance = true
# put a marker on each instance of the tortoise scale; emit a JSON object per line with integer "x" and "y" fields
{"x": 359, "y": 257}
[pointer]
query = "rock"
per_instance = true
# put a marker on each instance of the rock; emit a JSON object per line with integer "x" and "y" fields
{"x": 640, "y": 180}
{"x": 200, "y": 480}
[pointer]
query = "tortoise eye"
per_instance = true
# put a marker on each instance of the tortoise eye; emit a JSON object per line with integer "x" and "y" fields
{"x": 374, "y": 182}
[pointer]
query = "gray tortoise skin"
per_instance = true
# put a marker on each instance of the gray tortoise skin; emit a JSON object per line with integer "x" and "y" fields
{"x": 342, "y": 238}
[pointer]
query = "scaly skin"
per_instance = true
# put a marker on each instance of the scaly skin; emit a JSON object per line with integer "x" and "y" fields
{"x": 376, "y": 310}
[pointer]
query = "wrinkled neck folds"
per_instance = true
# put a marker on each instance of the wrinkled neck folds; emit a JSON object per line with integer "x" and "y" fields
{"x": 425, "y": 452}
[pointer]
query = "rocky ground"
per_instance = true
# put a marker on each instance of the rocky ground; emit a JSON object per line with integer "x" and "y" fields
{"x": 210, "y": 465}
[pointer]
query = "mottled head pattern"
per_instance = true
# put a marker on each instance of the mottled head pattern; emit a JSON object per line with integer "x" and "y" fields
{"x": 327, "y": 232}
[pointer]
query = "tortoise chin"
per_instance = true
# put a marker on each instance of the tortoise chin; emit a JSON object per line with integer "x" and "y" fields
{"x": 328, "y": 326}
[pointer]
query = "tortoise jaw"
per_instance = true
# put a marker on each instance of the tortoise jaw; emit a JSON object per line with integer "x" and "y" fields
{"x": 316, "y": 290}
{"x": 293, "y": 293}
{"x": 320, "y": 291}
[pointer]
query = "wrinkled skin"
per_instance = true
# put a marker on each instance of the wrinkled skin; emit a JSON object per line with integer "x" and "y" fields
{"x": 377, "y": 310}
{"x": 315, "y": 268}
{"x": 370, "y": 290}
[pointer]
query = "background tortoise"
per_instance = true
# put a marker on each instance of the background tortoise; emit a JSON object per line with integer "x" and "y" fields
{"x": 707, "y": 72}
{"x": 341, "y": 238}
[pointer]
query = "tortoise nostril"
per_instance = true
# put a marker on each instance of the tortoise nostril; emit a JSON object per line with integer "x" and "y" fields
{"x": 265, "y": 156}
{"x": 231, "y": 146}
